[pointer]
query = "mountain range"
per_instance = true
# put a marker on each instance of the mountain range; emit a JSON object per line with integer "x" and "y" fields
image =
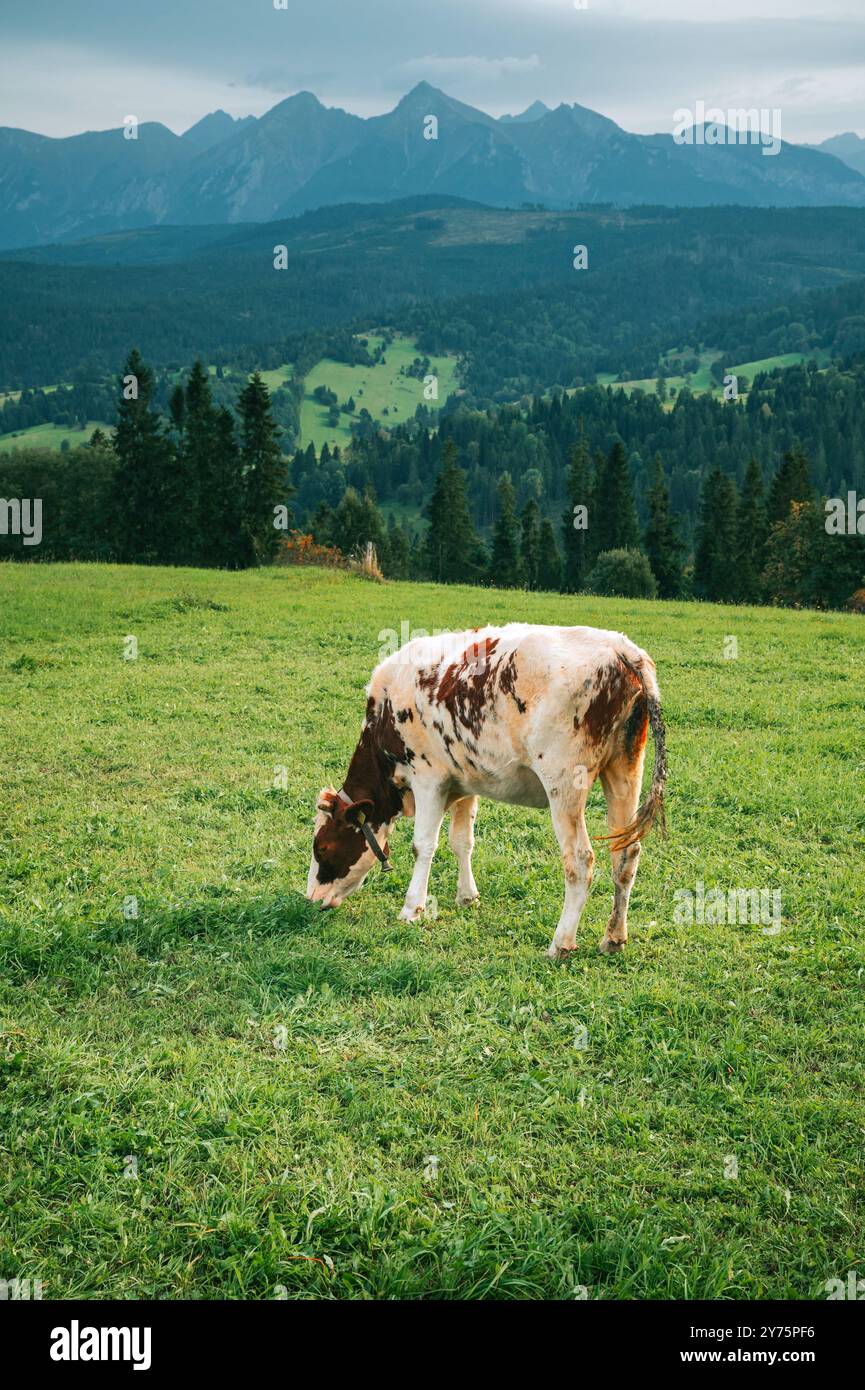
{"x": 302, "y": 155}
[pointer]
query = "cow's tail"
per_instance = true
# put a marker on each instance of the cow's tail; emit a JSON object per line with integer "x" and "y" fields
{"x": 651, "y": 813}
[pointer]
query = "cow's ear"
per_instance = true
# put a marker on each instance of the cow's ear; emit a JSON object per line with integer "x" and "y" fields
{"x": 326, "y": 798}
{"x": 358, "y": 812}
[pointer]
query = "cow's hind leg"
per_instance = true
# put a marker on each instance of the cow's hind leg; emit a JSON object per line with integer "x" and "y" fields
{"x": 462, "y": 840}
{"x": 621, "y": 782}
{"x": 578, "y": 861}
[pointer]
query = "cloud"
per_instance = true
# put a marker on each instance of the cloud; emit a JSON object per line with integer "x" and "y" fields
{"x": 635, "y": 61}
{"x": 469, "y": 68}
{"x": 284, "y": 79}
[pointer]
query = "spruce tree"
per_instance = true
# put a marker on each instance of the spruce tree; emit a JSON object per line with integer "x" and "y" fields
{"x": 357, "y": 521}
{"x": 837, "y": 565}
{"x": 504, "y": 570}
{"x": 614, "y": 517}
{"x": 550, "y": 566}
{"x": 323, "y": 524}
{"x": 199, "y": 543}
{"x": 264, "y": 471}
{"x": 147, "y": 495}
{"x": 751, "y": 534}
{"x": 574, "y": 533}
{"x": 790, "y": 556}
{"x": 372, "y": 524}
{"x": 224, "y": 541}
{"x": 530, "y": 543}
{"x": 453, "y": 554}
{"x": 792, "y": 483}
{"x": 662, "y": 542}
{"x": 715, "y": 555}
{"x": 397, "y": 563}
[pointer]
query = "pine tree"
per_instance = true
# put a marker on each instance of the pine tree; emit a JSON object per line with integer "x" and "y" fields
{"x": 177, "y": 408}
{"x": 574, "y": 533}
{"x": 224, "y": 543}
{"x": 453, "y": 554}
{"x": 349, "y": 522}
{"x": 504, "y": 570}
{"x": 264, "y": 470}
{"x": 715, "y": 555}
{"x": 614, "y": 517}
{"x": 790, "y": 556}
{"x": 792, "y": 483}
{"x": 550, "y": 566}
{"x": 371, "y": 522}
{"x": 397, "y": 560}
{"x": 323, "y": 524}
{"x": 751, "y": 535}
{"x": 147, "y": 496}
{"x": 662, "y": 542}
{"x": 195, "y": 452}
{"x": 530, "y": 543}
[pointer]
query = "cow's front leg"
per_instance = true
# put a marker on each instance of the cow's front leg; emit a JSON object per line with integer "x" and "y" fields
{"x": 578, "y": 861}
{"x": 429, "y": 813}
{"x": 461, "y": 835}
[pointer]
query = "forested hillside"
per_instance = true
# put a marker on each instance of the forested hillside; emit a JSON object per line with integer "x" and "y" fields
{"x": 824, "y": 412}
{"x": 497, "y": 287}
{"x": 598, "y": 490}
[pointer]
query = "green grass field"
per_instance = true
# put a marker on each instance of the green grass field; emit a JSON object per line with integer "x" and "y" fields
{"x": 232, "y": 1095}
{"x": 701, "y": 380}
{"x": 378, "y": 388}
{"x": 49, "y": 436}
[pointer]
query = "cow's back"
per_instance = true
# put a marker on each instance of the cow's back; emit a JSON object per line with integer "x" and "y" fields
{"x": 487, "y": 706}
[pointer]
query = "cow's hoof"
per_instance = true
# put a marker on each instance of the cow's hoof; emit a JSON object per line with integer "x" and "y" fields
{"x": 555, "y": 952}
{"x": 411, "y": 914}
{"x": 608, "y": 947}
{"x": 468, "y": 901}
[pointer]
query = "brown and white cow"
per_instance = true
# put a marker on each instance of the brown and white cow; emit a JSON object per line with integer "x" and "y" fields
{"x": 523, "y": 714}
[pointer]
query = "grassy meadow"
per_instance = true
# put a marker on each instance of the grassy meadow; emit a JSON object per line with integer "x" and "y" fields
{"x": 50, "y": 436}
{"x": 701, "y": 381}
{"x": 208, "y": 1089}
{"x": 380, "y": 389}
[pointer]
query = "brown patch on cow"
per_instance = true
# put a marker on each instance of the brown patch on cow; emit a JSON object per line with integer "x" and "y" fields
{"x": 464, "y": 688}
{"x": 387, "y": 735}
{"x": 448, "y": 743}
{"x": 616, "y": 688}
{"x": 508, "y": 682}
{"x": 636, "y": 729}
{"x": 381, "y": 748}
{"x": 337, "y": 846}
{"x": 403, "y": 715}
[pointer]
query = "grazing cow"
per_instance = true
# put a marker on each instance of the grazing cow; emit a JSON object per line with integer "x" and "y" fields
{"x": 524, "y": 714}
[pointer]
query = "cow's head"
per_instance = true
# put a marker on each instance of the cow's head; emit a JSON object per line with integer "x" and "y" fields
{"x": 341, "y": 856}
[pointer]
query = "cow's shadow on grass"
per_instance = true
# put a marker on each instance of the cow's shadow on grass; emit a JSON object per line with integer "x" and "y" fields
{"x": 286, "y": 944}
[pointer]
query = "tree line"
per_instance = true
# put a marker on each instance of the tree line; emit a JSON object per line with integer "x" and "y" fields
{"x": 754, "y": 545}
{"x": 202, "y": 485}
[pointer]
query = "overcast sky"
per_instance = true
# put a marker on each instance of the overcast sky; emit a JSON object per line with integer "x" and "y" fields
{"x": 73, "y": 65}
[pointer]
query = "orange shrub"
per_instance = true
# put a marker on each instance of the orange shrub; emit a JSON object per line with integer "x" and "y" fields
{"x": 298, "y": 549}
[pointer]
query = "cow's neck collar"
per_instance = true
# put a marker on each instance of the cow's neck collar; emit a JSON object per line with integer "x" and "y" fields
{"x": 367, "y": 832}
